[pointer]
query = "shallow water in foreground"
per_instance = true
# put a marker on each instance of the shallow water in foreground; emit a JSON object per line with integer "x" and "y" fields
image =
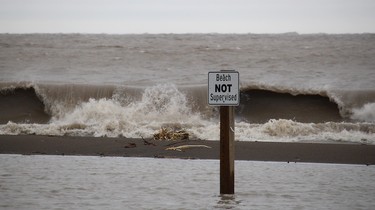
{"x": 74, "y": 182}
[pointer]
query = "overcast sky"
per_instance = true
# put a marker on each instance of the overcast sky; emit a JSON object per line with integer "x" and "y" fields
{"x": 187, "y": 16}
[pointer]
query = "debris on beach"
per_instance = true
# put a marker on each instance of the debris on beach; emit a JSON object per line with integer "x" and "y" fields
{"x": 166, "y": 133}
{"x": 184, "y": 147}
{"x": 130, "y": 145}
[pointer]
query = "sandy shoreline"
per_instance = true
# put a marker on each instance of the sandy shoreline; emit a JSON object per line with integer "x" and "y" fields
{"x": 127, "y": 147}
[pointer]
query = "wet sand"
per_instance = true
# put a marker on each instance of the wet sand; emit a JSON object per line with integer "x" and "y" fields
{"x": 344, "y": 153}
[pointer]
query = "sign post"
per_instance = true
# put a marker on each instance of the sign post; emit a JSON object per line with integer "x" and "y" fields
{"x": 223, "y": 91}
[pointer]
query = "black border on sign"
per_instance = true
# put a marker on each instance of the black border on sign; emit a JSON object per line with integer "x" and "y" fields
{"x": 208, "y": 87}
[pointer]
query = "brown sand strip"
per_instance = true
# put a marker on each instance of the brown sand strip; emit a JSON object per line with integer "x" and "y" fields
{"x": 124, "y": 147}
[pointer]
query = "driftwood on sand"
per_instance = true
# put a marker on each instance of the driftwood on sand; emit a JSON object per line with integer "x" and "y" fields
{"x": 184, "y": 147}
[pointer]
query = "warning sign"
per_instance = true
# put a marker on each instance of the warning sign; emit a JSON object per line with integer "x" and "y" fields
{"x": 223, "y": 88}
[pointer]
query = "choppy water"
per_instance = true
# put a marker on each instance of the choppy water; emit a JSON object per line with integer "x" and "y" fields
{"x": 58, "y": 182}
{"x": 293, "y": 87}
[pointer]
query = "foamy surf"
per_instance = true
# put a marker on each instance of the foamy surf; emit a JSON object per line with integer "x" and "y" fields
{"x": 366, "y": 113}
{"x": 132, "y": 116}
{"x": 274, "y": 130}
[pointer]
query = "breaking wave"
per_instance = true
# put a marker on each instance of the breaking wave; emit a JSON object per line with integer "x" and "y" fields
{"x": 119, "y": 111}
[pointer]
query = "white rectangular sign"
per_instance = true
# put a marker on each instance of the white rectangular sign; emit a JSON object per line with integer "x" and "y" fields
{"x": 223, "y": 88}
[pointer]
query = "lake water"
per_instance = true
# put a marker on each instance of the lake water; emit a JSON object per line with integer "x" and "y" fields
{"x": 293, "y": 87}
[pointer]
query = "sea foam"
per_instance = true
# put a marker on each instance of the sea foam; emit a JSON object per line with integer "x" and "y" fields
{"x": 365, "y": 113}
{"x": 166, "y": 106}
